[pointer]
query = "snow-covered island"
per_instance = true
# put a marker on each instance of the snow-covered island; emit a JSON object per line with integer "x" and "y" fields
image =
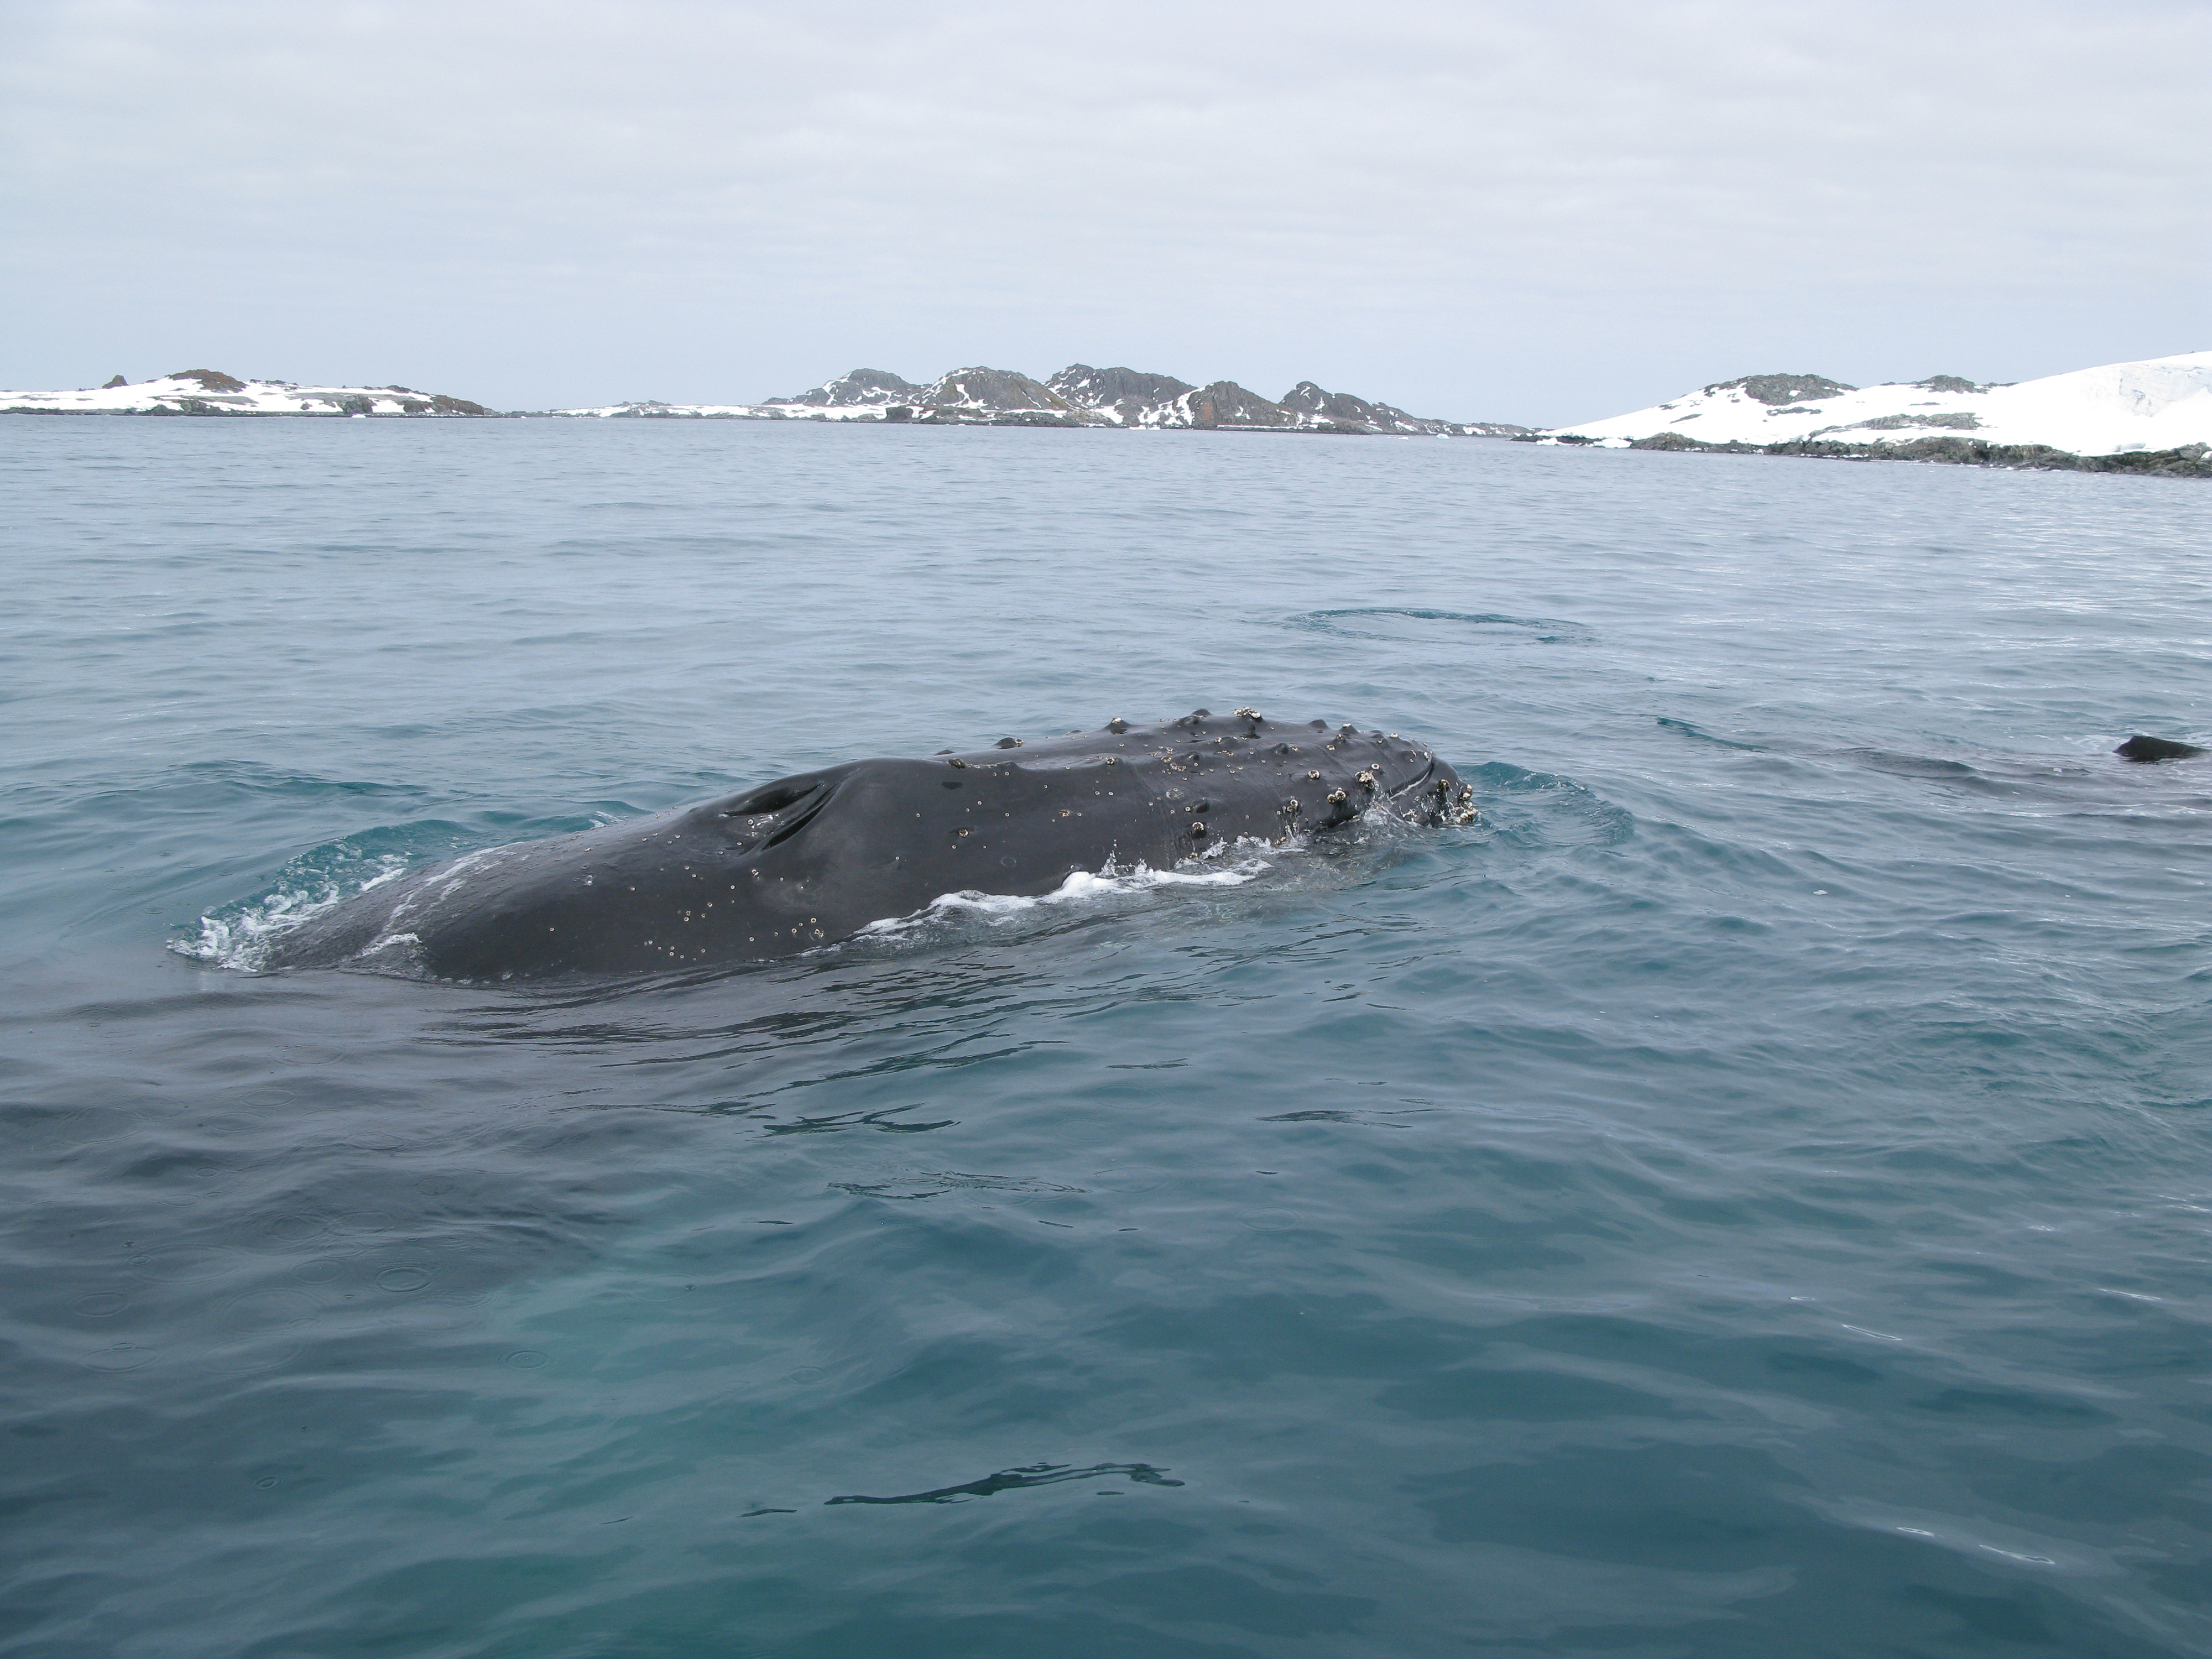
{"x": 1079, "y": 395}
{"x": 2154, "y": 416}
{"x": 212, "y": 392}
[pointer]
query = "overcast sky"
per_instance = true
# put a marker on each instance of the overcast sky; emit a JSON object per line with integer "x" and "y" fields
{"x": 1506, "y": 211}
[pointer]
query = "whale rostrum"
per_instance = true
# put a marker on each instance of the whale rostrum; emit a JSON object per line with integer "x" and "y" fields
{"x": 792, "y": 865}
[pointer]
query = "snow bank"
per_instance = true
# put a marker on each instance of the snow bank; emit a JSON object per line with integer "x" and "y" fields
{"x": 212, "y": 392}
{"x": 2159, "y": 404}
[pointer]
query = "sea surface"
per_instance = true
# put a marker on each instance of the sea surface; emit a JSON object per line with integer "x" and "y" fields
{"x": 1749, "y": 1195}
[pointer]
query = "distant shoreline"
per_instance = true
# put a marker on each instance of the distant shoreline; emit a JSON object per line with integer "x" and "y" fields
{"x": 1076, "y": 396}
{"x": 2190, "y": 461}
{"x": 2151, "y": 418}
{"x": 680, "y": 415}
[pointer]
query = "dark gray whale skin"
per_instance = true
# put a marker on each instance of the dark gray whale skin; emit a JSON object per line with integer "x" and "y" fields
{"x": 2152, "y": 750}
{"x": 792, "y": 865}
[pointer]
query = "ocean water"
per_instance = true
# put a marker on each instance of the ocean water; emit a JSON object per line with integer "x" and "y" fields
{"x": 1750, "y": 1195}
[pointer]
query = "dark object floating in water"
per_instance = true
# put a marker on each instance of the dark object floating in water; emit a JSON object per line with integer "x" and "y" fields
{"x": 1029, "y": 1475}
{"x": 795, "y": 864}
{"x": 2141, "y": 748}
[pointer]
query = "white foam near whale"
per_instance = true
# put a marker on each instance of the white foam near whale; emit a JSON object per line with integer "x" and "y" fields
{"x": 242, "y": 939}
{"x": 1084, "y": 887}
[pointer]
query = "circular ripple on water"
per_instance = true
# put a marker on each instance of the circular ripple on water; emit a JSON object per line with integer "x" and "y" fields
{"x": 186, "y": 1262}
{"x": 257, "y": 1310}
{"x": 372, "y": 1140}
{"x": 1130, "y": 1178}
{"x": 123, "y": 1356}
{"x": 291, "y": 1228}
{"x": 251, "y": 1333}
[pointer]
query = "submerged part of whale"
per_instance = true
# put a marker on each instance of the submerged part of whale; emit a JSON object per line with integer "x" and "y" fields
{"x": 2141, "y": 748}
{"x": 792, "y": 865}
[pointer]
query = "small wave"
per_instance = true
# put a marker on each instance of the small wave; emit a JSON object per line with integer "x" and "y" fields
{"x": 1390, "y": 623}
{"x": 1689, "y": 730}
{"x": 1020, "y": 1479}
{"x": 1542, "y": 810}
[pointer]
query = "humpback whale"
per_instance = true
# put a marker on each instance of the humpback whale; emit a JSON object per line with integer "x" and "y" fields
{"x": 2141, "y": 748}
{"x": 790, "y": 866}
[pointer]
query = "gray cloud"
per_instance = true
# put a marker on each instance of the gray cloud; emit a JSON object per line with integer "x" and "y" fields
{"x": 1471, "y": 210}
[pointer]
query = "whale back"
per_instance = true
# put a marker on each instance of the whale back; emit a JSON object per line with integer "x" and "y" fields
{"x": 793, "y": 864}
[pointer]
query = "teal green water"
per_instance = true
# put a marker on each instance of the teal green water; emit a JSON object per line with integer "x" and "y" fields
{"x": 1750, "y": 1195}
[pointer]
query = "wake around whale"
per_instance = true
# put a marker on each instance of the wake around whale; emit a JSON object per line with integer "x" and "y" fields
{"x": 794, "y": 864}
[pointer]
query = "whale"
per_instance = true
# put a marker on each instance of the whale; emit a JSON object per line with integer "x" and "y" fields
{"x": 799, "y": 863}
{"x": 2150, "y": 751}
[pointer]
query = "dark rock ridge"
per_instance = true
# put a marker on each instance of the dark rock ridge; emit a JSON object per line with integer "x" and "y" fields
{"x": 1779, "y": 389}
{"x": 1123, "y": 392}
{"x": 983, "y": 394}
{"x": 1958, "y": 421}
{"x": 1080, "y": 395}
{"x": 862, "y": 388}
{"x": 2188, "y": 461}
{"x": 1357, "y": 414}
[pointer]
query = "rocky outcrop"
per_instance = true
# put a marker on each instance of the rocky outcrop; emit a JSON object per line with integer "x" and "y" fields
{"x": 2188, "y": 461}
{"x": 1778, "y": 389}
{"x": 1079, "y": 395}
{"x": 996, "y": 396}
{"x": 1124, "y": 395}
{"x": 1225, "y": 404}
{"x": 1957, "y": 420}
{"x": 209, "y": 379}
{"x": 864, "y": 388}
{"x": 1128, "y": 398}
{"x": 1342, "y": 409}
{"x": 1348, "y": 413}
